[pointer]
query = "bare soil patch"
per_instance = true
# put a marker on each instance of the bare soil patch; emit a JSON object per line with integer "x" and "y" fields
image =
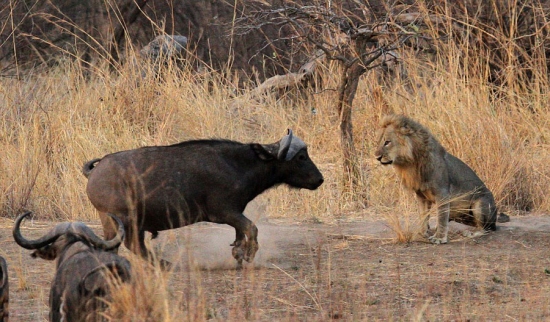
{"x": 318, "y": 272}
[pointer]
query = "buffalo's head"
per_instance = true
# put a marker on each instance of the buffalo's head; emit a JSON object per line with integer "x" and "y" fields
{"x": 295, "y": 167}
{"x": 51, "y": 245}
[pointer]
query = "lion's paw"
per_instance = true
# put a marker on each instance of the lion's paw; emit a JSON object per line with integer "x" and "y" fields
{"x": 427, "y": 234}
{"x": 473, "y": 234}
{"x": 438, "y": 240}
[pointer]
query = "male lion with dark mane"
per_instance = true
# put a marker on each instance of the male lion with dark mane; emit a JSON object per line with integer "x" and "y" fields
{"x": 436, "y": 176}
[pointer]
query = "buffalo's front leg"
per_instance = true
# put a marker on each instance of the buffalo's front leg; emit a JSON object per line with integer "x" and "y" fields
{"x": 239, "y": 248}
{"x": 245, "y": 245}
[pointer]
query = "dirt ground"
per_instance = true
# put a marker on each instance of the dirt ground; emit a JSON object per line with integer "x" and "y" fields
{"x": 350, "y": 271}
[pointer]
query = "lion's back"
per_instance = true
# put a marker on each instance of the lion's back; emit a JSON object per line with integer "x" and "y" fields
{"x": 461, "y": 176}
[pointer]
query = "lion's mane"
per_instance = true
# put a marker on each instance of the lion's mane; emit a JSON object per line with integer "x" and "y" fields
{"x": 417, "y": 150}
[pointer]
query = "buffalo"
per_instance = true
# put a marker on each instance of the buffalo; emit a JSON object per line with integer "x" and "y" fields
{"x": 87, "y": 266}
{"x": 164, "y": 187}
{"x": 4, "y": 291}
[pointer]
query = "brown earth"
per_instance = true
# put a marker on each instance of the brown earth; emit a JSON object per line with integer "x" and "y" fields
{"x": 318, "y": 272}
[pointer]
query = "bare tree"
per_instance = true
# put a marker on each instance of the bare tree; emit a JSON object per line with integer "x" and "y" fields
{"x": 128, "y": 15}
{"x": 358, "y": 42}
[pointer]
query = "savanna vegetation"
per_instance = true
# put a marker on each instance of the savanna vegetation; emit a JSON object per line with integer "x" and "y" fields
{"x": 478, "y": 79}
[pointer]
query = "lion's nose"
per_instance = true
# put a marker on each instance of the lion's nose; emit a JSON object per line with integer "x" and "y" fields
{"x": 378, "y": 157}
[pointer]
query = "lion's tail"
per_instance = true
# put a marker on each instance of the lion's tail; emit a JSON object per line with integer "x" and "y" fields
{"x": 89, "y": 166}
{"x": 502, "y": 218}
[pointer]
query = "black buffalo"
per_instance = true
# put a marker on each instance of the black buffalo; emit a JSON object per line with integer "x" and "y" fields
{"x": 165, "y": 187}
{"x": 4, "y": 291}
{"x": 86, "y": 268}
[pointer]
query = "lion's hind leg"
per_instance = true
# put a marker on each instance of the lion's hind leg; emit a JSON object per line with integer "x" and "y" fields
{"x": 483, "y": 214}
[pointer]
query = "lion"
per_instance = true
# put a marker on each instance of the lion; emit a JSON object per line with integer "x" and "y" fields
{"x": 437, "y": 177}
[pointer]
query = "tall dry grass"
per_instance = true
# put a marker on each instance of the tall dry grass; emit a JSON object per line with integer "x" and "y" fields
{"x": 55, "y": 120}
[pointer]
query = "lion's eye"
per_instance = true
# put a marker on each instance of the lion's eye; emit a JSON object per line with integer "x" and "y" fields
{"x": 387, "y": 143}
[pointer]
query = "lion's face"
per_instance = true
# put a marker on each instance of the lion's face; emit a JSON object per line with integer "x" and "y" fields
{"x": 394, "y": 147}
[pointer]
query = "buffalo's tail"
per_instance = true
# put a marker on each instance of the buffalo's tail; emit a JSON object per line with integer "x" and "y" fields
{"x": 89, "y": 166}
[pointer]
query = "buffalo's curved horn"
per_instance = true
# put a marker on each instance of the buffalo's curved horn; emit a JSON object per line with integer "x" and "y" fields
{"x": 47, "y": 239}
{"x": 84, "y": 232}
{"x": 78, "y": 229}
{"x": 289, "y": 146}
{"x": 284, "y": 145}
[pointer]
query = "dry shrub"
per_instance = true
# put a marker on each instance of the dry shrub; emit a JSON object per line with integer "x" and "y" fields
{"x": 145, "y": 298}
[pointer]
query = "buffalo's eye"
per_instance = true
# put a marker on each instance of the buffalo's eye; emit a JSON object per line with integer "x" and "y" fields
{"x": 302, "y": 157}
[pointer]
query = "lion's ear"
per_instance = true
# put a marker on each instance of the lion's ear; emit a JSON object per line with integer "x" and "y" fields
{"x": 406, "y": 130}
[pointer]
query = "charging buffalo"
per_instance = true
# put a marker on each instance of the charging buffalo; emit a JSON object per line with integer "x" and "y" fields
{"x": 164, "y": 187}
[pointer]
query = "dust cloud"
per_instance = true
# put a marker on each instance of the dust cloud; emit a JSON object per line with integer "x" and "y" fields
{"x": 207, "y": 245}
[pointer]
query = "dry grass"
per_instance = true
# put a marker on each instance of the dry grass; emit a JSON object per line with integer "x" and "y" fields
{"x": 52, "y": 122}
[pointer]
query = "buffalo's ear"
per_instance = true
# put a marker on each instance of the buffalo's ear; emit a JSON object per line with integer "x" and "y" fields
{"x": 94, "y": 282}
{"x": 48, "y": 252}
{"x": 99, "y": 279}
{"x": 266, "y": 152}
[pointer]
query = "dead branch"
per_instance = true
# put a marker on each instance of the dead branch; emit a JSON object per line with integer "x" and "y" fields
{"x": 290, "y": 80}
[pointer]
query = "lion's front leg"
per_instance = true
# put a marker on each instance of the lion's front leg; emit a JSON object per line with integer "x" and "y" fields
{"x": 425, "y": 206}
{"x": 425, "y": 226}
{"x": 440, "y": 236}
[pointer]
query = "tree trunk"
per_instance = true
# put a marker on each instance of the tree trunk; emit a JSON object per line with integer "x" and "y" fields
{"x": 133, "y": 10}
{"x": 346, "y": 94}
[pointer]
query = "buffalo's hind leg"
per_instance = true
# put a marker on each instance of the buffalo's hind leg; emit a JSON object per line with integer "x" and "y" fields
{"x": 136, "y": 243}
{"x": 245, "y": 245}
{"x": 109, "y": 226}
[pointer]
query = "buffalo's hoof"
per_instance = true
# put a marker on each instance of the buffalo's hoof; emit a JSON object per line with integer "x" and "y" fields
{"x": 238, "y": 252}
{"x": 251, "y": 249}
